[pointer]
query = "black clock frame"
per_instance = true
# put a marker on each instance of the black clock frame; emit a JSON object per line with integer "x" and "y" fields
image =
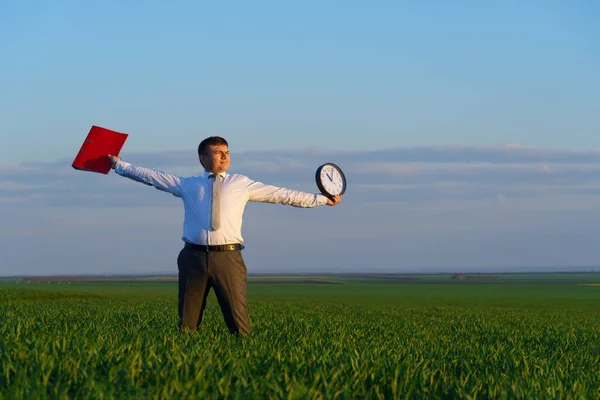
{"x": 320, "y": 184}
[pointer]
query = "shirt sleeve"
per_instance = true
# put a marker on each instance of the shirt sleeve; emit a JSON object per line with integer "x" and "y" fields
{"x": 160, "y": 180}
{"x": 259, "y": 192}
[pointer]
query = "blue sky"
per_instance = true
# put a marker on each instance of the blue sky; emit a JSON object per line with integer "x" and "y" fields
{"x": 329, "y": 76}
{"x": 281, "y": 75}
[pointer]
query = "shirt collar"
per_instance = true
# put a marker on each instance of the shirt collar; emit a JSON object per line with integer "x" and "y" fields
{"x": 207, "y": 174}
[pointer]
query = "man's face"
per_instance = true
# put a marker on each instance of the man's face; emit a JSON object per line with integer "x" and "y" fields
{"x": 216, "y": 158}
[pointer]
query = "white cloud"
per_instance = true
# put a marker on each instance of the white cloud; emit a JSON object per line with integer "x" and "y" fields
{"x": 544, "y": 167}
{"x": 440, "y": 179}
{"x": 405, "y": 209}
{"x": 387, "y": 168}
{"x": 22, "y": 186}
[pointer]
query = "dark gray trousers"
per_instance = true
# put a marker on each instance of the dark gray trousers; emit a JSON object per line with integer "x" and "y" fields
{"x": 225, "y": 272}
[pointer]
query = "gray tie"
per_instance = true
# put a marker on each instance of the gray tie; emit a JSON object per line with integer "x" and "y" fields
{"x": 215, "y": 211}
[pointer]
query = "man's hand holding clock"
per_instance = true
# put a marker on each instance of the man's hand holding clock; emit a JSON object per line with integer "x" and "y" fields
{"x": 331, "y": 181}
{"x": 334, "y": 200}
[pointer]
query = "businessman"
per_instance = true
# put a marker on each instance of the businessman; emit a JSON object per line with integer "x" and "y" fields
{"x": 214, "y": 204}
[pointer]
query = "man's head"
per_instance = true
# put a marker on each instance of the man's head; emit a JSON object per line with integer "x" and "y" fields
{"x": 213, "y": 153}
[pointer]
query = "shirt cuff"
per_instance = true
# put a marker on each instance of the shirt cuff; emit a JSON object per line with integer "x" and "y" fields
{"x": 322, "y": 200}
{"x": 120, "y": 166}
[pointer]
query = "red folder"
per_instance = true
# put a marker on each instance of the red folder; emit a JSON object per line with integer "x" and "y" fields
{"x": 99, "y": 143}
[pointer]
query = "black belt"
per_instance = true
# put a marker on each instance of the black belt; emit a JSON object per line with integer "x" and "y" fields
{"x": 218, "y": 247}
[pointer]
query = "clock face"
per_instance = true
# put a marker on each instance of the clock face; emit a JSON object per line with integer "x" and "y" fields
{"x": 331, "y": 179}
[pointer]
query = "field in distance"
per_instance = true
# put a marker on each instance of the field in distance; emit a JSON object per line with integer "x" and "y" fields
{"x": 110, "y": 339}
{"x": 590, "y": 277}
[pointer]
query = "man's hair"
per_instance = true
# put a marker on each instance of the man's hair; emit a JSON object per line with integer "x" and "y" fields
{"x": 210, "y": 141}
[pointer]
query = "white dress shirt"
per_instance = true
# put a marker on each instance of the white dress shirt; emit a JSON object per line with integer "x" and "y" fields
{"x": 236, "y": 191}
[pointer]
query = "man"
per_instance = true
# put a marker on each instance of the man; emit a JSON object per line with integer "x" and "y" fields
{"x": 213, "y": 208}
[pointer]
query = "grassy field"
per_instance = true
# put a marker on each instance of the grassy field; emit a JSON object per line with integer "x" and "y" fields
{"x": 354, "y": 340}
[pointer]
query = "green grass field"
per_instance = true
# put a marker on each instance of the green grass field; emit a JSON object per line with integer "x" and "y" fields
{"x": 355, "y": 340}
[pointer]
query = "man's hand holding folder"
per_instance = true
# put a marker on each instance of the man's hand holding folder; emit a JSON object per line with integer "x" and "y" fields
{"x": 113, "y": 160}
{"x": 97, "y": 146}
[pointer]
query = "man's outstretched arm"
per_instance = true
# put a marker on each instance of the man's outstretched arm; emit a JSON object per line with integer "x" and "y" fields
{"x": 259, "y": 192}
{"x": 160, "y": 180}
